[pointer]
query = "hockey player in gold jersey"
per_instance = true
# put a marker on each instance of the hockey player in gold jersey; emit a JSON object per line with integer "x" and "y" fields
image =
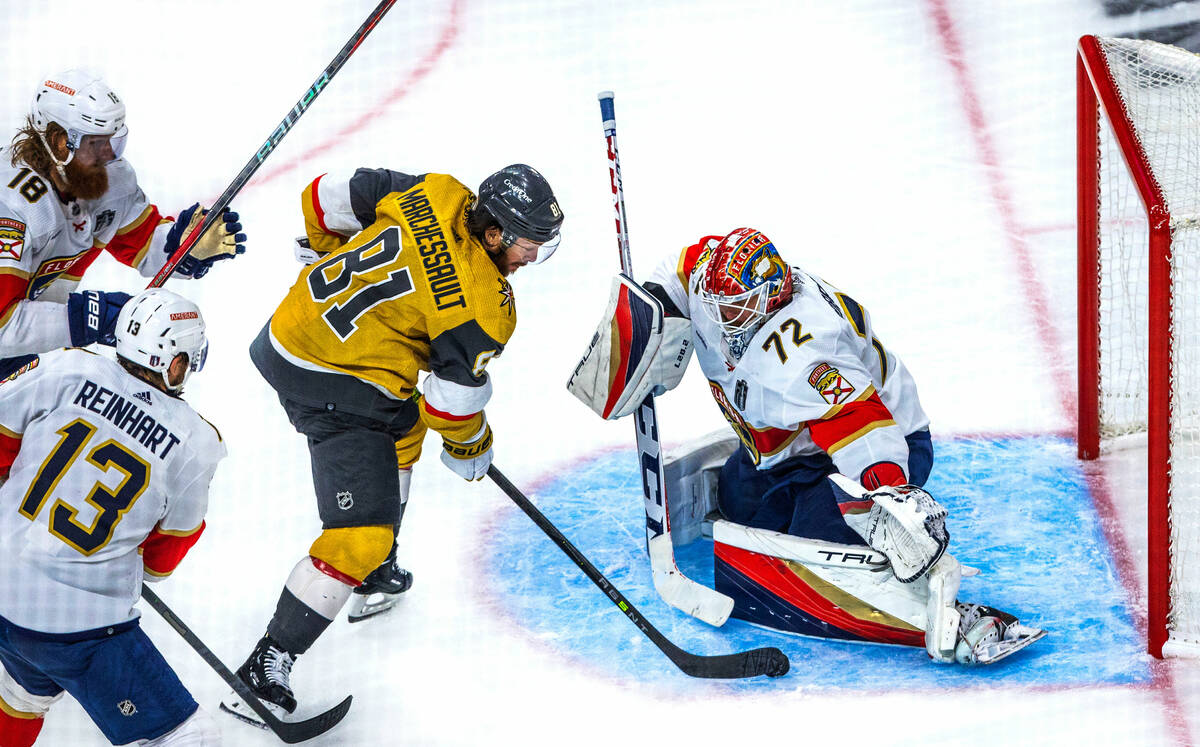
{"x": 406, "y": 274}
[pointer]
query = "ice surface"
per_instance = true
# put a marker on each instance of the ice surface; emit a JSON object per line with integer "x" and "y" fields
{"x": 918, "y": 155}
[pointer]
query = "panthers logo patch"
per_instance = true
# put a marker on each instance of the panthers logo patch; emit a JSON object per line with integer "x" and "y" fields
{"x": 830, "y": 384}
{"x": 12, "y": 238}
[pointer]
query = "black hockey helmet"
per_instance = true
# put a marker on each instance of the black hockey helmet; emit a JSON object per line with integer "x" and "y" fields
{"x": 521, "y": 201}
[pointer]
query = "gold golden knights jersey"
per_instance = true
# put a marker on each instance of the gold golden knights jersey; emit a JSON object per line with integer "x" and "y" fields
{"x": 401, "y": 286}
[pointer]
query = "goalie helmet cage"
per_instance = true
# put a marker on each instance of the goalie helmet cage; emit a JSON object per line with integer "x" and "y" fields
{"x": 1138, "y": 112}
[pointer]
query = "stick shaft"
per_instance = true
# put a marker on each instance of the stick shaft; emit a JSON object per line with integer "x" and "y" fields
{"x": 769, "y": 661}
{"x": 273, "y": 140}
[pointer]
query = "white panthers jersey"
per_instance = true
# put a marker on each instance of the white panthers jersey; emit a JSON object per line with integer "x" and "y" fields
{"x": 812, "y": 378}
{"x": 46, "y": 245}
{"x": 102, "y": 459}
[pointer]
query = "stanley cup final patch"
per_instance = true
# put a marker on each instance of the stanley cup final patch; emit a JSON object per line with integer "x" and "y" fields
{"x": 12, "y": 238}
{"x": 830, "y": 384}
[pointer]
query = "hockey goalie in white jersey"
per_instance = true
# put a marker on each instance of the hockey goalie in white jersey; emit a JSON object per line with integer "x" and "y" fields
{"x": 104, "y": 477}
{"x": 824, "y": 492}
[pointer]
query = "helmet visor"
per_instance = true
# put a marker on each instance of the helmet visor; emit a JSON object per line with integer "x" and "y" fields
{"x": 546, "y": 249}
{"x": 197, "y": 358}
{"x": 118, "y": 141}
{"x": 535, "y": 252}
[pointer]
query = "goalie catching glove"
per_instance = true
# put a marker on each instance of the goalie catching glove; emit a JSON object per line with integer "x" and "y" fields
{"x": 221, "y": 241}
{"x": 636, "y": 351}
{"x": 904, "y": 523}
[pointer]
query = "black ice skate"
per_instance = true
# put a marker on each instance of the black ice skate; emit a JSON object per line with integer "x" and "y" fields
{"x": 987, "y": 635}
{"x": 380, "y": 591}
{"x": 267, "y": 674}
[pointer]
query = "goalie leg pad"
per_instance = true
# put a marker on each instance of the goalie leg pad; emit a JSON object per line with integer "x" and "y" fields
{"x": 636, "y": 351}
{"x": 690, "y": 478}
{"x": 941, "y": 614}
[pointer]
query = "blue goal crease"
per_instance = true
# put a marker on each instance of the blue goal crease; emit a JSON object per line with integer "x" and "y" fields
{"x": 1019, "y": 511}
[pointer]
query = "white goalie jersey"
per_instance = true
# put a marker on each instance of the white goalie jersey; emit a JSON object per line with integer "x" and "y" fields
{"x": 102, "y": 468}
{"x": 813, "y": 378}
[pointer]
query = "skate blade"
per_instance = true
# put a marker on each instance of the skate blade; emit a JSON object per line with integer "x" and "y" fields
{"x": 236, "y": 707}
{"x": 363, "y": 606}
{"x": 1004, "y": 649}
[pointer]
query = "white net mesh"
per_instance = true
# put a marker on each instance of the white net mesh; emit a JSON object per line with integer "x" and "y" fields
{"x": 1160, "y": 87}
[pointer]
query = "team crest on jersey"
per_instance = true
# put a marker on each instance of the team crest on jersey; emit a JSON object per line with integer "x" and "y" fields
{"x": 830, "y": 384}
{"x": 49, "y": 271}
{"x": 736, "y": 421}
{"x": 507, "y": 300}
{"x": 23, "y": 369}
{"x": 12, "y": 238}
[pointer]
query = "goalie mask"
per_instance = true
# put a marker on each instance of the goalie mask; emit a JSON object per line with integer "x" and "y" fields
{"x": 744, "y": 282}
{"x": 156, "y": 325}
{"x": 521, "y": 201}
{"x": 82, "y": 104}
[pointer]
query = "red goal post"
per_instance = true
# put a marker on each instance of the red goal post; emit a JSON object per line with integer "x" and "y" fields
{"x": 1138, "y": 115}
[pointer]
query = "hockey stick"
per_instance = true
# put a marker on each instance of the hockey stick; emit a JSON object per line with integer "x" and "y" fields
{"x": 769, "y": 661}
{"x": 289, "y": 121}
{"x": 676, "y": 589}
{"x": 290, "y": 732}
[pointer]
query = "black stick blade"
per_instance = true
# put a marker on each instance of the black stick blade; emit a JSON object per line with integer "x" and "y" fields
{"x": 292, "y": 732}
{"x": 768, "y": 661}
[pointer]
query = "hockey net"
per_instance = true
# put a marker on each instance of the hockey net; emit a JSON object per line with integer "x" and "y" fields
{"x": 1139, "y": 299}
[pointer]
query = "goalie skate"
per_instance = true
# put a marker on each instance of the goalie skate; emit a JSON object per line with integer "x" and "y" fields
{"x": 988, "y": 635}
{"x": 380, "y": 591}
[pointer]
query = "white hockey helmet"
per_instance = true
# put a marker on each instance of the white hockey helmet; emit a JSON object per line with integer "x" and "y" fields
{"x": 156, "y": 325}
{"x": 82, "y": 104}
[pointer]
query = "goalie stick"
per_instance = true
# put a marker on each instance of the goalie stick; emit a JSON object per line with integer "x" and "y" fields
{"x": 268, "y": 147}
{"x": 290, "y": 732}
{"x": 769, "y": 660}
{"x": 676, "y": 589}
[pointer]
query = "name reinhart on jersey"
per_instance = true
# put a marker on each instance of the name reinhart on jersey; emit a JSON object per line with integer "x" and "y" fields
{"x": 126, "y": 415}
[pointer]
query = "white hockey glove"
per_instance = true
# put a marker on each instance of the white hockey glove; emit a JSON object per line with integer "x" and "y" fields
{"x": 636, "y": 351}
{"x": 906, "y": 524}
{"x": 223, "y": 240}
{"x": 470, "y": 460}
{"x": 304, "y": 252}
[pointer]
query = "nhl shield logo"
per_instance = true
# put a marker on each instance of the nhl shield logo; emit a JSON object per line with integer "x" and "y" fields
{"x": 345, "y": 500}
{"x": 126, "y": 707}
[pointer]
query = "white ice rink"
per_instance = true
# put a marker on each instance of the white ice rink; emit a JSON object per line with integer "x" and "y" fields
{"x": 917, "y": 153}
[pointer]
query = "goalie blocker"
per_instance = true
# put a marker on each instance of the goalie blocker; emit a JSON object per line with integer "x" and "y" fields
{"x": 834, "y": 590}
{"x": 637, "y": 350}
